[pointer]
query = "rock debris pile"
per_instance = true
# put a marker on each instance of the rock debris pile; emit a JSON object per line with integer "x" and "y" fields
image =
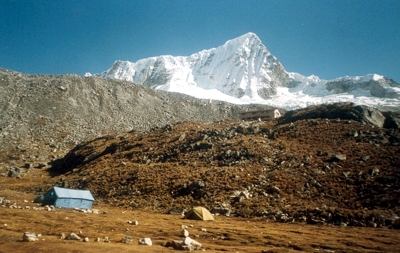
{"x": 314, "y": 170}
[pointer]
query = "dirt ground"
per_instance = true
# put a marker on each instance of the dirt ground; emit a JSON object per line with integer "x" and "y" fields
{"x": 225, "y": 234}
{"x": 297, "y": 157}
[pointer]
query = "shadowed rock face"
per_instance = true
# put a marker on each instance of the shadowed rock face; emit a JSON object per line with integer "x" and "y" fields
{"x": 360, "y": 113}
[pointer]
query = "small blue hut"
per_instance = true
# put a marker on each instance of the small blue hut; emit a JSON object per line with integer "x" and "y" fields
{"x": 68, "y": 198}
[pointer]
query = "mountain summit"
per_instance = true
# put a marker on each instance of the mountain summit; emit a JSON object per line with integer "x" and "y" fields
{"x": 241, "y": 67}
{"x": 244, "y": 71}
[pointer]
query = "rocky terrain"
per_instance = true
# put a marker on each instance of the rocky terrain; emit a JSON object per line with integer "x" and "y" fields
{"x": 315, "y": 170}
{"x": 146, "y": 153}
{"x": 140, "y": 148}
{"x": 43, "y": 114}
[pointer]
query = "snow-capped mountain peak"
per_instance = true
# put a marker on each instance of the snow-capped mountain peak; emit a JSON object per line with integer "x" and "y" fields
{"x": 242, "y": 70}
{"x": 242, "y": 67}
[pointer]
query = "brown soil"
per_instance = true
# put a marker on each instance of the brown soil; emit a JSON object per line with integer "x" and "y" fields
{"x": 225, "y": 234}
{"x": 297, "y": 192}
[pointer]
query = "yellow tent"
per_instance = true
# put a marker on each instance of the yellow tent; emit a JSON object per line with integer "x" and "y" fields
{"x": 199, "y": 213}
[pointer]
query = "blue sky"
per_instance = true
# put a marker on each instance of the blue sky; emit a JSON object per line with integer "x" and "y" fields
{"x": 328, "y": 38}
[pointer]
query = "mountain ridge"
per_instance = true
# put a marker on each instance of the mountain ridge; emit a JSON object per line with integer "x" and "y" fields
{"x": 243, "y": 70}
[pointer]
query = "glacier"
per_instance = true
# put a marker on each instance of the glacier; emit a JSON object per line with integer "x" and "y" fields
{"x": 243, "y": 71}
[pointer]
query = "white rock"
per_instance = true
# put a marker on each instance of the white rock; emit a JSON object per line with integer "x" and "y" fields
{"x": 191, "y": 243}
{"x": 145, "y": 241}
{"x": 29, "y": 237}
{"x": 187, "y": 241}
{"x": 184, "y": 233}
{"x": 73, "y": 236}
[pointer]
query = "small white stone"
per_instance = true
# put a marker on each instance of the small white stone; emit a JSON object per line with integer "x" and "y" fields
{"x": 184, "y": 233}
{"x": 73, "y": 236}
{"x": 145, "y": 241}
{"x": 29, "y": 237}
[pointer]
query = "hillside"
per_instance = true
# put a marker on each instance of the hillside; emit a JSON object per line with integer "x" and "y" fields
{"x": 145, "y": 152}
{"x": 161, "y": 150}
{"x": 316, "y": 170}
{"x": 45, "y": 113}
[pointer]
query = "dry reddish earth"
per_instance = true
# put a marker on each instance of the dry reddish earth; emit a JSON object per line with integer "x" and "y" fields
{"x": 298, "y": 193}
{"x": 315, "y": 170}
{"x": 225, "y": 234}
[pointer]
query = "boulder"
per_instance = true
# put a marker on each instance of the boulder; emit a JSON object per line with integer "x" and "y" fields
{"x": 369, "y": 115}
{"x": 174, "y": 244}
{"x": 38, "y": 199}
{"x": 184, "y": 233}
{"x": 349, "y": 111}
{"x": 145, "y": 241}
{"x": 192, "y": 243}
{"x": 180, "y": 211}
{"x": 392, "y": 122}
{"x": 127, "y": 239}
{"x": 221, "y": 211}
{"x": 29, "y": 237}
{"x": 338, "y": 157}
{"x": 187, "y": 244}
{"x": 15, "y": 172}
{"x": 73, "y": 236}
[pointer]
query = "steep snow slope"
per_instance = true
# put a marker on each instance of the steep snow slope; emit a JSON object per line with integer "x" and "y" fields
{"x": 244, "y": 71}
{"x": 241, "y": 67}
